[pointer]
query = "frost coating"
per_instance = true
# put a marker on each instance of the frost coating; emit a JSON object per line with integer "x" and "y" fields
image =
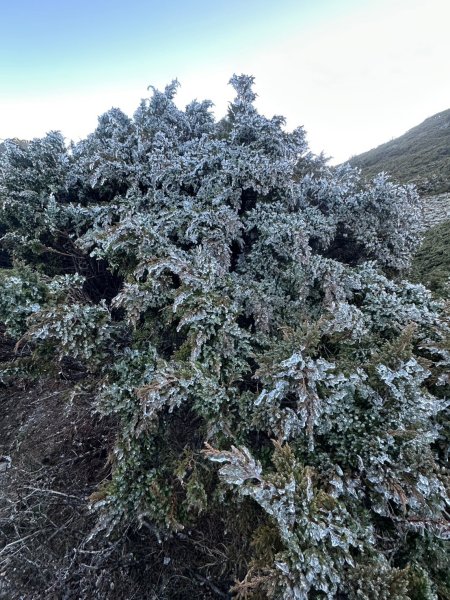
{"x": 222, "y": 285}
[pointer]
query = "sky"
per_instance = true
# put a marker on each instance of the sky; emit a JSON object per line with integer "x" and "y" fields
{"x": 354, "y": 73}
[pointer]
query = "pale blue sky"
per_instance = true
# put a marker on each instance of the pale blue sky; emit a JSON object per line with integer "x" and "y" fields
{"x": 353, "y": 72}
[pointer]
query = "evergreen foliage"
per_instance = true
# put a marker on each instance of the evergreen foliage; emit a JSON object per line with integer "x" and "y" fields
{"x": 241, "y": 309}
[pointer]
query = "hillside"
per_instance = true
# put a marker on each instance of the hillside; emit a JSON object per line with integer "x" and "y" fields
{"x": 420, "y": 156}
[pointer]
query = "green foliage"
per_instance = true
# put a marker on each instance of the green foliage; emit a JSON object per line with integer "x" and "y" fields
{"x": 318, "y": 533}
{"x": 225, "y": 287}
{"x": 22, "y": 293}
{"x": 379, "y": 581}
{"x": 431, "y": 263}
{"x": 420, "y": 586}
{"x": 79, "y": 331}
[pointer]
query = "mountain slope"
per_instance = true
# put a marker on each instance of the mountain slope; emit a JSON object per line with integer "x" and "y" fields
{"x": 420, "y": 156}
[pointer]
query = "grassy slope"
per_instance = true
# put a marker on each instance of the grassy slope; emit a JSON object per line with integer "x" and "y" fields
{"x": 421, "y": 156}
{"x": 431, "y": 264}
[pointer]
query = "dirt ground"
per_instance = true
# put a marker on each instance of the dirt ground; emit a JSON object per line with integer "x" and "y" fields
{"x": 54, "y": 453}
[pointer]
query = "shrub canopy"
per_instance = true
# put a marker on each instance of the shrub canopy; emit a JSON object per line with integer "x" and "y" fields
{"x": 240, "y": 307}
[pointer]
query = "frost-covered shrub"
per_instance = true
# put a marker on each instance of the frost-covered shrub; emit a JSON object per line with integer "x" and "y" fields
{"x": 80, "y": 331}
{"x": 238, "y": 292}
{"x": 22, "y": 293}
